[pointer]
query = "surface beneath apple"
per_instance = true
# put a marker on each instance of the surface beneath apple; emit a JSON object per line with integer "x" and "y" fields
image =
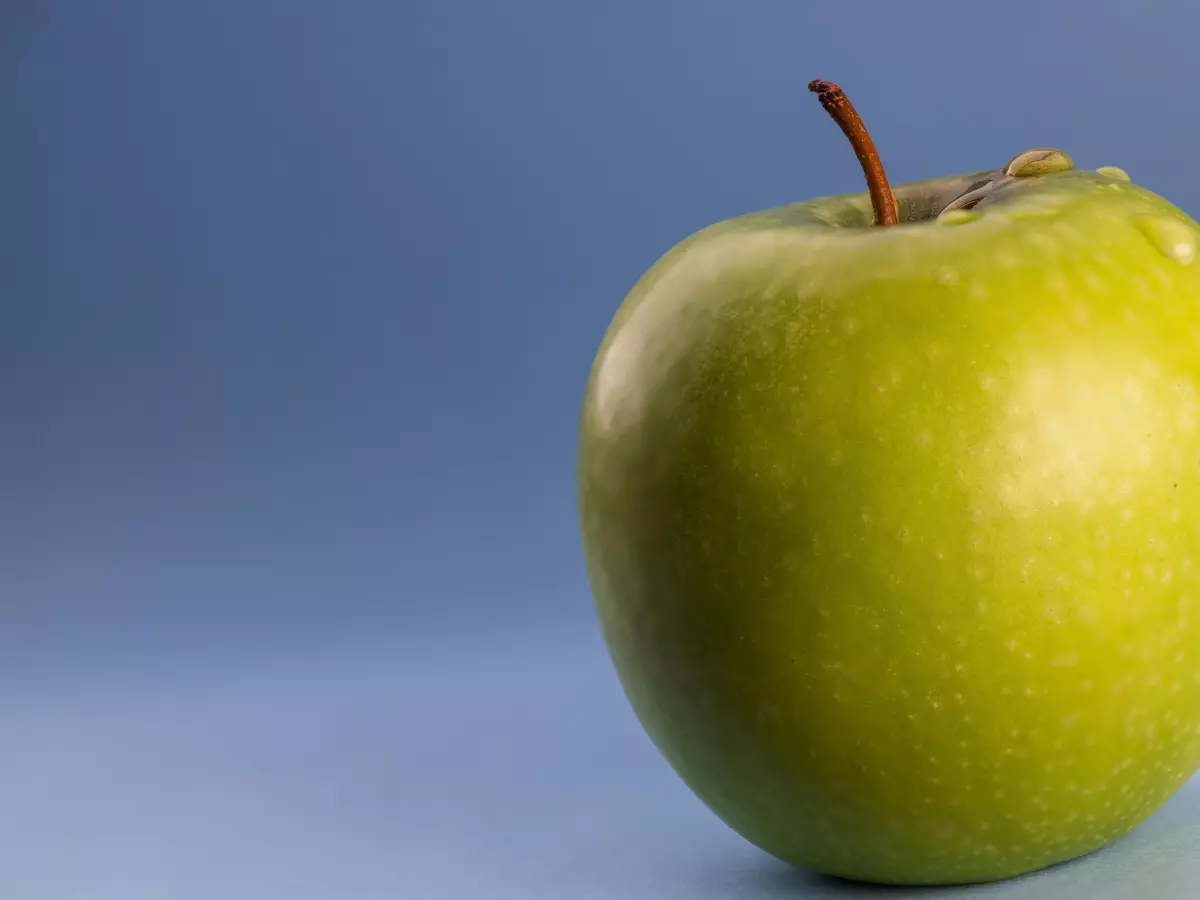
{"x": 893, "y": 532}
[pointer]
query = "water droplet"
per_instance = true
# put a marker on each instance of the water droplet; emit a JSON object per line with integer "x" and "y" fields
{"x": 1173, "y": 238}
{"x": 957, "y": 217}
{"x": 1043, "y": 161}
{"x": 1114, "y": 172}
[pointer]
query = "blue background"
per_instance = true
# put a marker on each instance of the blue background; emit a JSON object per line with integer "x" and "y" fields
{"x": 298, "y": 302}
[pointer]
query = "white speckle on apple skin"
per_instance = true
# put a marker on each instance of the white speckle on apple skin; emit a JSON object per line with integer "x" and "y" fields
{"x": 1008, "y": 260}
{"x": 1074, "y": 235}
{"x": 1094, "y": 283}
{"x": 1163, "y": 277}
{"x": 1140, "y": 286}
{"x": 1044, "y": 242}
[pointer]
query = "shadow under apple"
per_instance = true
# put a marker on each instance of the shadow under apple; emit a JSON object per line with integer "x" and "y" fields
{"x": 1159, "y": 859}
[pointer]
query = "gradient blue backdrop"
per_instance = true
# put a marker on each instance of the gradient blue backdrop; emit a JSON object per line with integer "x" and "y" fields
{"x": 298, "y": 302}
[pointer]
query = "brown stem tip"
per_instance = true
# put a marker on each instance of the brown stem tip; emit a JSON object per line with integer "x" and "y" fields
{"x": 835, "y": 102}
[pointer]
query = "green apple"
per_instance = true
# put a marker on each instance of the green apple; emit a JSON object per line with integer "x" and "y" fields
{"x": 894, "y": 532}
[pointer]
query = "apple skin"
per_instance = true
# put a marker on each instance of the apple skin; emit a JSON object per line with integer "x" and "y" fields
{"x": 894, "y": 533}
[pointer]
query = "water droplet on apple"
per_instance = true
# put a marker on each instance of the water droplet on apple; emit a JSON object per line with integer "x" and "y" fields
{"x": 1114, "y": 172}
{"x": 1173, "y": 238}
{"x": 1042, "y": 161}
{"x": 957, "y": 217}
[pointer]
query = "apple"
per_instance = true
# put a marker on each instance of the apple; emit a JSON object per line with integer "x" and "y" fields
{"x": 894, "y": 532}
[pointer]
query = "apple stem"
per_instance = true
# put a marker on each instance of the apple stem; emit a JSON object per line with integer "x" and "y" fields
{"x": 835, "y": 102}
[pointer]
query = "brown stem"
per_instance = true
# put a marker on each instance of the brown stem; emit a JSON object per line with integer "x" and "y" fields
{"x": 835, "y": 102}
